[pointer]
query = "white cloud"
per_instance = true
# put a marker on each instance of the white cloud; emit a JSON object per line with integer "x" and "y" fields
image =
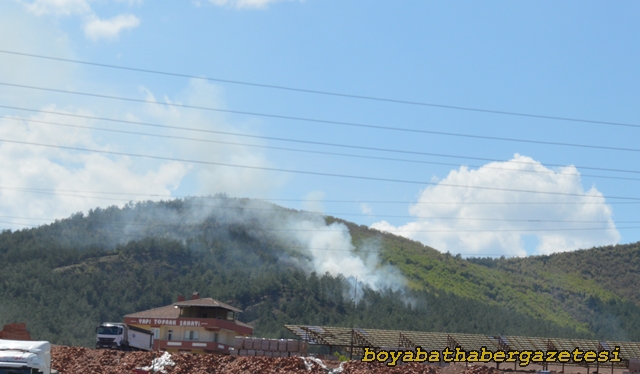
{"x": 256, "y": 4}
{"x": 501, "y": 229}
{"x": 366, "y": 208}
{"x": 94, "y": 27}
{"x": 22, "y": 32}
{"x": 25, "y": 166}
{"x": 109, "y": 29}
{"x": 34, "y": 167}
{"x": 58, "y": 7}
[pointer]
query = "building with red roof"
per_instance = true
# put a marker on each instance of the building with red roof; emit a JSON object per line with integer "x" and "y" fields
{"x": 198, "y": 325}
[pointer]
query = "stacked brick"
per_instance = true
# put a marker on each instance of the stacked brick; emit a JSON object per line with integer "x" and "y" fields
{"x": 15, "y": 331}
{"x": 260, "y": 347}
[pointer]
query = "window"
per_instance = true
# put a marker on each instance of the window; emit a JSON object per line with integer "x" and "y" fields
{"x": 215, "y": 337}
{"x": 156, "y": 333}
{"x": 190, "y": 335}
{"x": 230, "y": 316}
{"x": 170, "y": 335}
{"x": 108, "y": 330}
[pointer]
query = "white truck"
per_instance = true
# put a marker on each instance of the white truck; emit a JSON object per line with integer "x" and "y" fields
{"x": 25, "y": 357}
{"x": 123, "y": 337}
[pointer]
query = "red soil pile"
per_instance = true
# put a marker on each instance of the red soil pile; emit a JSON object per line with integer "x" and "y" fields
{"x": 15, "y": 331}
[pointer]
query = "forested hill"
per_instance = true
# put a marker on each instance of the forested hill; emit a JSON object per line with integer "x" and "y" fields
{"x": 65, "y": 277}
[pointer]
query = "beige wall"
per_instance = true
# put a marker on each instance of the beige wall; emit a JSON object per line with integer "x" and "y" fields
{"x": 224, "y": 336}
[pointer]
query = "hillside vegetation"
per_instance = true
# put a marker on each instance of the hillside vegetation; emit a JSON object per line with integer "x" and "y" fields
{"x": 592, "y": 290}
{"x": 66, "y": 277}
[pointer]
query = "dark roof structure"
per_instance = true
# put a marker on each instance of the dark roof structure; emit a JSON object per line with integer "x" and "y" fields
{"x": 356, "y": 339}
{"x": 168, "y": 311}
{"x": 173, "y": 310}
{"x": 206, "y": 302}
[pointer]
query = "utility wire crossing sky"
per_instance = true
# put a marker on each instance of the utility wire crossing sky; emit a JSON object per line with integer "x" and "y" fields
{"x": 436, "y": 83}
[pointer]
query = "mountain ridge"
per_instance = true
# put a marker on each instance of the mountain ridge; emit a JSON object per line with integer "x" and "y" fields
{"x": 261, "y": 257}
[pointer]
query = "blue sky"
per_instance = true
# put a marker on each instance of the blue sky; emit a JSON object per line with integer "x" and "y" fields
{"x": 571, "y": 59}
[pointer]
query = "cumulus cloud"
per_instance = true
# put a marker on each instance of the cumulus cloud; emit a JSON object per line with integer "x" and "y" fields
{"x": 94, "y": 27}
{"x": 256, "y": 4}
{"x": 366, "y": 208}
{"x": 28, "y": 166}
{"x": 22, "y": 32}
{"x": 58, "y": 7}
{"x": 109, "y": 29}
{"x": 481, "y": 222}
{"x": 54, "y": 172}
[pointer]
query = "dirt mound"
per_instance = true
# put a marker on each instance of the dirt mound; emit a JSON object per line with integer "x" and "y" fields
{"x": 83, "y": 360}
{"x": 358, "y": 367}
{"x": 481, "y": 370}
{"x": 71, "y": 360}
{"x": 15, "y": 331}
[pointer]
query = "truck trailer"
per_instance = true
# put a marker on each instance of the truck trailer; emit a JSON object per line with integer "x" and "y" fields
{"x": 123, "y": 337}
{"x": 25, "y": 357}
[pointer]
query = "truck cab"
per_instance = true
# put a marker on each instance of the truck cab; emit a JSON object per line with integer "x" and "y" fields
{"x": 25, "y": 357}
{"x": 123, "y": 337}
{"x": 110, "y": 335}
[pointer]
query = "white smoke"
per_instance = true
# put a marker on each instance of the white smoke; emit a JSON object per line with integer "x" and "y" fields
{"x": 332, "y": 251}
{"x": 302, "y": 238}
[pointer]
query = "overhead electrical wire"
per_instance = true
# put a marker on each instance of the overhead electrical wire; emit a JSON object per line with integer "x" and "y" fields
{"x": 341, "y": 230}
{"x": 312, "y": 120}
{"x": 394, "y": 216}
{"x": 71, "y": 193}
{"x": 314, "y": 152}
{"x": 296, "y": 140}
{"x": 347, "y": 124}
{"x": 242, "y": 208}
{"x": 354, "y": 250}
{"x": 326, "y": 93}
{"x": 306, "y": 172}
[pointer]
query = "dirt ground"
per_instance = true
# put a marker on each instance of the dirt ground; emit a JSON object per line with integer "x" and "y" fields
{"x": 73, "y": 360}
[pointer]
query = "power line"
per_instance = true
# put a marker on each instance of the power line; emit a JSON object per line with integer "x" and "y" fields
{"x": 378, "y": 179}
{"x": 312, "y": 120}
{"x": 182, "y": 224}
{"x": 314, "y": 152}
{"x": 302, "y": 141}
{"x": 385, "y": 215}
{"x": 354, "y": 250}
{"x": 54, "y": 192}
{"x": 326, "y": 93}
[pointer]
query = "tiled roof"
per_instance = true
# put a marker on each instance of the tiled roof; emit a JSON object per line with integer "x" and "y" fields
{"x": 173, "y": 310}
{"x": 169, "y": 311}
{"x": 207, "y": 302}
